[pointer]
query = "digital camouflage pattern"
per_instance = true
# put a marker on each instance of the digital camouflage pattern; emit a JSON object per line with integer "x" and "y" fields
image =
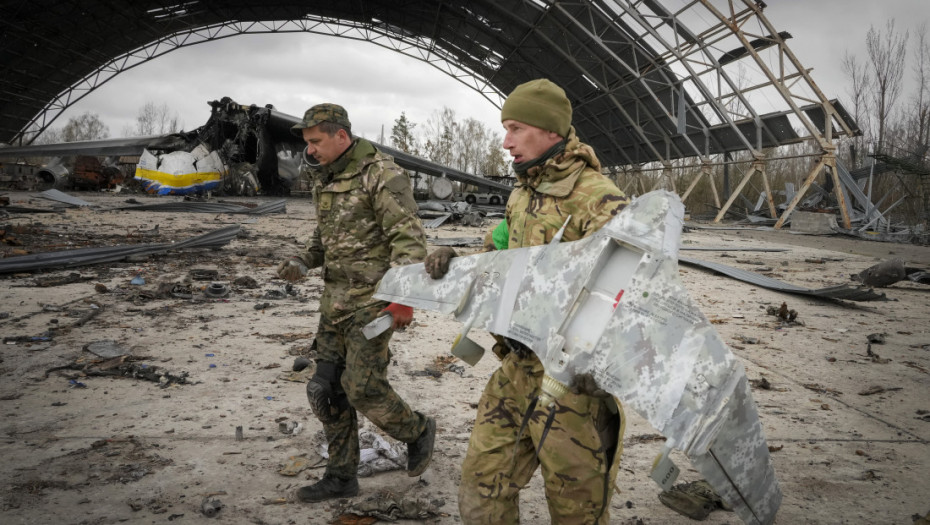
{"x": 612, "y": 305}
{"x": 366, "y": 223}
{"x": 366, "y": 385}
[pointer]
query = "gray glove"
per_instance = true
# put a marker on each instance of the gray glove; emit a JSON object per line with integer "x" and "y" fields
{"x": 292, "y": 269}
{"x": 437, "y": 263}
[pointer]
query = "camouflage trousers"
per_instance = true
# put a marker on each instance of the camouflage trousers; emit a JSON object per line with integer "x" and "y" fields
{"x": 580, "y": 455}
{"x": 367, "y": 388}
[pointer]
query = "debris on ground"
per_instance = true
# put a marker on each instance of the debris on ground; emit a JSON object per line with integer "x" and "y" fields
{"x": 211, "y": 507}
{"x": 441, "y": 364}
{"x": 116, "y": 460}
{"x": 882, "y": 274}
{"x": 876, "y": 389}
{"x": 875, "y": 358}
{"x": 786, "y": 315}
{"x": 390, "y": 506}
{"x": 71, "y": 278}
{"x": 235, "y": 430}
{"x": 121, "y": 366}
{"x": 297, "y": 464}
{"x": 695, "y": 499}
{"x": 377, "y": 454}
{"x": 821, "y": 389}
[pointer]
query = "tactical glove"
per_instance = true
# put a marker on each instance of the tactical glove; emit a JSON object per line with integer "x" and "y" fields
{"x": 402, "y": 315}
{"x": 292, "y": 269}
{"x": 437, "y": 263}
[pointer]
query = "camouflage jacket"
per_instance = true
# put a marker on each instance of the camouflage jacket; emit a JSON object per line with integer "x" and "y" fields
{"x": 366, "y": 223}
{"x": 569, "y": 184}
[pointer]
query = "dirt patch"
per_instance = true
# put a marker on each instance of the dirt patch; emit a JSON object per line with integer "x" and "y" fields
{"x": 105, "y": 461}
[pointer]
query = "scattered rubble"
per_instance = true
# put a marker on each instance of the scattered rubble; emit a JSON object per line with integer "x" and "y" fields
{"x": 84, "y": 353}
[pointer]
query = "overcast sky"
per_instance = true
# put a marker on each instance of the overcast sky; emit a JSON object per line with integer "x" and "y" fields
{"x": 296, "y": 71}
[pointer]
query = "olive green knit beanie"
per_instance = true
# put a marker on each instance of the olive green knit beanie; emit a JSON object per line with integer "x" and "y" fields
{"x": 539, "y": 103}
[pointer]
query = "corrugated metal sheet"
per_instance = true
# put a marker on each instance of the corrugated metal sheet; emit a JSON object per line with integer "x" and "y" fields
{"x": 437, "y": 222}
{"x": 849, "y": 292}
{"x": 88, "y": 256}
{"x": 60, "y": 196}
{"x": 277, "y": 206}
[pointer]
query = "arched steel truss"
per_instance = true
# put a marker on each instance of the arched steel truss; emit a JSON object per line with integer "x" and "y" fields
{"x": 412, "y": 47}
{"x": 651, "y": 81}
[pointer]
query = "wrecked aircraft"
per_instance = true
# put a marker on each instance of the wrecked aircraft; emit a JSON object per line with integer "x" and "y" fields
{"x": 83, "y": 171}
{"x": 240, "y": 150}
{"x": 615, "y": 308}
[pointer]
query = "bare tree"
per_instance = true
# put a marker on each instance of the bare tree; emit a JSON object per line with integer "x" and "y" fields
{"x": 49, "y": 136}
{"x": 887, "y": 51}
{"x": 921, "y": 106}
{"x": 493, "y": 163}
{"x": 155, "y": 120}
{"x": 440, "y": 132}
{"x": 470, "y": 144}
{"x": 858, "y": 90}
{"x": 88, "y": 126}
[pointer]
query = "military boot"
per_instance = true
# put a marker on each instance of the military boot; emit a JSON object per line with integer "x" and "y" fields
{"x": 421, "y": 451}
{"x": 328, "y": 488}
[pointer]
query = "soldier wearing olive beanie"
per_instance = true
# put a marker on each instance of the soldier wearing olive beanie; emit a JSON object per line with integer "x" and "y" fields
{"x": 539, "y": 103}
{"x": 559, "y": 190}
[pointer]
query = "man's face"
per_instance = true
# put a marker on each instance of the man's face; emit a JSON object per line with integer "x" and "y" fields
{"x": 324, "y": 148}
{"x": 525, "y": 142}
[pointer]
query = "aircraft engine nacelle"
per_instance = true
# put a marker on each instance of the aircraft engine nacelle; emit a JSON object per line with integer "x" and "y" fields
{"x": 55, "y": 174}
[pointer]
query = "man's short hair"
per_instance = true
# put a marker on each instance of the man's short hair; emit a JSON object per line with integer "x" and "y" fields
{"x": 331, "y": 128}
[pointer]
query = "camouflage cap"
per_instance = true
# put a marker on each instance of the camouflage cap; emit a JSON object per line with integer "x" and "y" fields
{"x": 322, "y": 113}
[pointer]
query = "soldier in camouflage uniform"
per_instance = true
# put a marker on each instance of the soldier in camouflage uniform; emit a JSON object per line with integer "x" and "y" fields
{"x": 366, "y": 223}
{"x": 558, "y": 179}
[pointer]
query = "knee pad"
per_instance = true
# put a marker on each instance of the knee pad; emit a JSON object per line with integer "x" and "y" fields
{"x": 327, "y": 398}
